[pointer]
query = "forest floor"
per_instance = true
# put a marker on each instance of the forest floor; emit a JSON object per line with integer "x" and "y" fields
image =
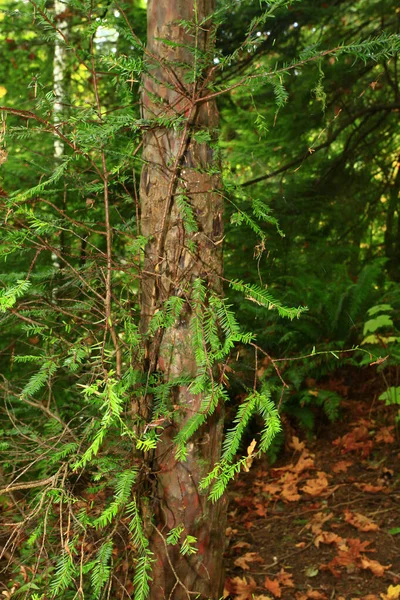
{"x": 323, "y": 522}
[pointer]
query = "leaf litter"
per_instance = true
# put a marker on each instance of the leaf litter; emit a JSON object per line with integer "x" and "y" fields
{"x": 316, "y": 525}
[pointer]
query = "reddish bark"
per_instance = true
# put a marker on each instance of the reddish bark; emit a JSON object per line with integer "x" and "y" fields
{"x": 176, "y": 164}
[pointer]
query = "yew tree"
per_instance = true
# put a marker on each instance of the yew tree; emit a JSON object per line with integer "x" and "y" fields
{"x": 117, "y": 339}
{"x": 181, "y": 216}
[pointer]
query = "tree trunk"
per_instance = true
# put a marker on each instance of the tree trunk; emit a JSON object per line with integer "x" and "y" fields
{"x": 59, "y": 66}
{"x": 392, "y": 242}
{"x": 181, "y": 175}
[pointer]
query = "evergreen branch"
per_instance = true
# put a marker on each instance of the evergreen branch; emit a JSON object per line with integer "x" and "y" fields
{"x": 262, "y": 297}
{"x": 383, "y": 45}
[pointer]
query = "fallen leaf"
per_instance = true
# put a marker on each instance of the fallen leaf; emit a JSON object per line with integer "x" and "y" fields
{"x": 359, "y": 521}
{"x": 249, "y": 557}
{"x": 387, "y": 472}
{"x": 312, "y": 594}
{"x": 261, "y": 510}
{"x": 357, "y": 546}
{"x": 371, "y": 489}
{"x": 315, "y": 487}
{"x": 240, "y": 588}
{"x": 393, "y": 593}
{"x": 285, "y": 579}
{"x": 348, "y": 556}
{"x": 242, "y": 545}
{"x": 385, "y": 435}
{"x": 272, "y": 488}
{"x": 296, "y": 444}
{"x": 272, "y": 585}
{"x": 354, "y": 441}
{"x": 327, "y": 537}
{"x": 374, "y": 566}
{"x": 311, "y": 571}
{"x": 289, "y": 488}
{"x": 304, "y": 463}
{"x": 342, "y": 466}
{"x": 317, "y": 522}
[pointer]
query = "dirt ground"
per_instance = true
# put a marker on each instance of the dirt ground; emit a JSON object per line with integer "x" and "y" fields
{"x": 324, "y": 521}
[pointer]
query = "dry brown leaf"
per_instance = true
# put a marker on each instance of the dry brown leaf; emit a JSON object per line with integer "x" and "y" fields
{"x": 249, "y": 557}
{"x": 273, "y": 586}
{"x": 311, "y": 594}
{"x": 304, "y": 463}
{"x": 242, "y": 545}
{"x": 357, "y": 546}
{"x": 327, "y": 537}
{"x": 260, "y": 509}
{"x": 272, "y": 488}
{"x": 342, "y": 466}
{"x": 371, "y": 489}
{"x": 296, "y": 444}
{"x": 317, "y": 522}
{"x": 285, "y": 579}
{"x": 359, "y": 521}
{"x": 374, "y": 566}
{"x": 355, "y": 441}
{"x": 239, "y": 587}
{"x": 315, "y": 487}
{"x": 289, "y": 488}
{"x": 349, "y": 555}
{"x": 385, "y": 435}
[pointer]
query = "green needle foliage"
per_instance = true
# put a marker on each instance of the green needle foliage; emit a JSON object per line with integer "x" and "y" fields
{"x": 308, "y": 99}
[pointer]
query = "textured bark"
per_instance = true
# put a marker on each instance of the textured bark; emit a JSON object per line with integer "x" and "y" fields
{"x": 176, "y": 164}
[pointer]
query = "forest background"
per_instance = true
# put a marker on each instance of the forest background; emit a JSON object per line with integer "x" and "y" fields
{"x": 306, "y": 161}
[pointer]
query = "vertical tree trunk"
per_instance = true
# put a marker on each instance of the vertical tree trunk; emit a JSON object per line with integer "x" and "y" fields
{"x": 59, "y": 65}
{"x": 392, "y": 242}
{"x": 179, "y": 167}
